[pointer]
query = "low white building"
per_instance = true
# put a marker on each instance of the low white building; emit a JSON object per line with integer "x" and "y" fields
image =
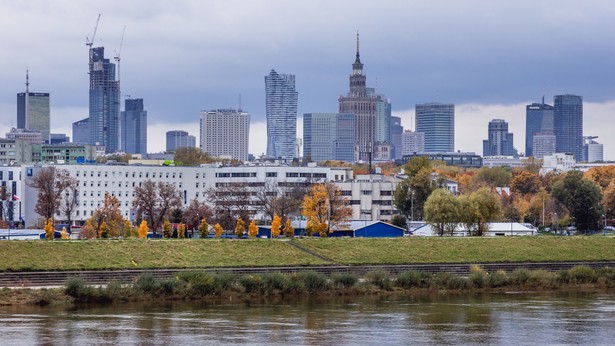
{"x": 496, "y": 229}
{"x": 371, "y": 196}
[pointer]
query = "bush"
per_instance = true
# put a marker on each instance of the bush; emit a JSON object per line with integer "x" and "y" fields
{"x": 606, "y": 275}
{"x": 344, "y": 280}
{"x": 497, "y": 279}
{"x": 170, "y": 286}
{"x": 114, "y": 291}
{"x": 77, "y": 288}
{"x": 413, "y": 278}
{"x": 198, "y": 283}
{"x": 519, "y": 277}
{"x": 252, "y": 283}
{"x": 543, "y": 279}
{"x": 313, "y": 281}
{"x": 225, "y": 282}
{"x": 379, "y": 278}
{"x": 477, "y": 276}
{"x": 582, "y": 275}
{"x": 146, "y": 283}
{"x": 275, "y": 282}
{"x": 449, "y": 281}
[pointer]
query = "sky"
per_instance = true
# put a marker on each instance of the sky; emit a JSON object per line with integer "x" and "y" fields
{"x": 489, "y": 58}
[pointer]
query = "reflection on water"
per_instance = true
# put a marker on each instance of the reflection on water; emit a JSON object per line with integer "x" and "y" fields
{"x": 520, "y": 319}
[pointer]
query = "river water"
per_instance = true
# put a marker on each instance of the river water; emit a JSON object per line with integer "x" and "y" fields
{"x": 439, "y": 319}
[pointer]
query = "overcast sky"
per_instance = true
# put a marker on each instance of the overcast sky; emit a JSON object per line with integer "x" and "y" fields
{"x": 490, "y": 58}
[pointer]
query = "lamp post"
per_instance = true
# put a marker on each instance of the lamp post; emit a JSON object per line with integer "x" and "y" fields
{"x": 556, "y": 224}
{"x": 604, "y": 229}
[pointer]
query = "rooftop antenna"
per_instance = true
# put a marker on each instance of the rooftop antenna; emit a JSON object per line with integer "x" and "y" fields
{"x": 27, "y": 105}
{"x": 239, "y": 110}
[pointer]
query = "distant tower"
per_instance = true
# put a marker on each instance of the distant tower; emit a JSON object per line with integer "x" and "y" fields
{"x": 281, "y": 108}
{"x": 329, "y": 136}
{"x": 568, "y": 125}
{"x": 499, "y": 141}
{"x": 437, "y": 121}
{"x": 104, "y": 119}
{"x": 179, "y": 139}
{"x": 33, "y": 111}
{"x": 396, "y": 133}
{"x": 225, "y": 132}
{"x": 538, "y": 119}
{"x": 134, "y": 127}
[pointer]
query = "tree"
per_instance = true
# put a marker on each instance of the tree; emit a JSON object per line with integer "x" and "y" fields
{"x": 103, "y": 233}
{"x": 166, "y": 229}
{"x": 280, "y": 198}
{"x": 325, "y": 205}
{"x": 128, "y": 229}
{"x": 88, "y": 231}
{"x": 602, "y": 176}
{"x": 525, "y": 183}
{"x": 50, "y": 183}
{"x": 110, "y": 214}
{"x": 143, "y": 229}
{"x": 49, "y": 229}
{"x": 191, "y": 156}
{"x": 309, "y": 228}
{"x": 581, "y": 197}
{"x": 203, "y": 229}
{"x": 181, "y": 231}
{"x": 608, "y": 200}
{"x": 399, "y": 221}
{"x": 478, "y": 209}
{"x": 411, "y": 194}
{"x": 240, "y": 228}
{"x": 195, "y": 212}
{"x": 64, "y": 234}
{"x": 69, "y": 200}
{"x": 218, "y": 230}
{"x": 253, "y": 229}
{"x": 275, "y": 226}
{"x": 289, "y": 231}
{"x": 154, "y": 201}
{"x": 230, "y": 201}
{"x": 442, "y": 212}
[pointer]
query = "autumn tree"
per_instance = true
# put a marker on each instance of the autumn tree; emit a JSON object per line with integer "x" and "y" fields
{"x": 581, "y": 197}
{"x": 49, "y": 229}
{"x": 50, "y": 183}
{"x": 491, "y": 177}
{"x": 181, "y": 231}
{"x": 110, "y": 214}
{"x": 240, "y": 227}
{"x": 88, "y": 231}
{"x": 64, "y": 234}
{"x": 411, "y": 193}
{"x": 310, "y": 229}
{"x": 325, "y": 205}
{"x": 128, "y": 229}
{"x": 275, "y": 226}
{"x": 289, "y": 231}
{"x": 281, "y": 198}
{"x": 525, "y": 183}
{"x": 230, "y": 201}
{"x": 478, "y": 209}
{"x": 103, "y": 231}
{"x": 166, "y": 229}
{"x": 218, "y": 230}
{"x": 602, "y": 175}
{"x": 253, "y": 229}
{"x": 195, "y": 212}
{"x": 203, "y": 229}
{"x": 143, "y": 229}
{"x": 154, "y": 201}
{"x": 442, "y": 212}
{"x": 191, "y": 156}
{"x": 608, "y": 200}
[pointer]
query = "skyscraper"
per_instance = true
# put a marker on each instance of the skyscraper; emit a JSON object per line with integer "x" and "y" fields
{"x": 281, "y": 108}
{"x": 33, "y": 111}
{"x": 543, "y": 144}
{"x": 538, "y": 119}
{"x": 104, "y": 119}
{"x": 363, "y": 105}
{"x": 568, "y": 125}
{"x": 437, "y": 121}
{"x": 499, "y": 141}
{"x": 134, "y": 127}
{"x": 592, "y": 150}
{"x": 225, "y": 132}
{"x": 396, "y": 142}
{"x": 81, "y": 131}
{"x": 179, "y": 139}
{"x": 412, "y": 142}
{"x": 329, "y": 136}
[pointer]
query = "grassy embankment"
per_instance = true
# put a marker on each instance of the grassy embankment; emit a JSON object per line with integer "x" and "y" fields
{"x": 135, "y": 253}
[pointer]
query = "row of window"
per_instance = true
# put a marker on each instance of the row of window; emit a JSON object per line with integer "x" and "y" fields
{"x": 173, "y": 175}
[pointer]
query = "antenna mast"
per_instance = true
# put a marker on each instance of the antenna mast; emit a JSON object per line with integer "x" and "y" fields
{"x": 27, "y": 105}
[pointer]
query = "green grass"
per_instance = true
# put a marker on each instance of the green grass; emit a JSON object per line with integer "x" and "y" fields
{"x": 136, "y": 253}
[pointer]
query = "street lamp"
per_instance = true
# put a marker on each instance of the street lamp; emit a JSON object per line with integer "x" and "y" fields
{"x": 556, "y": 224}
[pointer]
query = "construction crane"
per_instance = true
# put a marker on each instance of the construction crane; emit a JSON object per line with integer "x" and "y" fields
{"x": 87, "y": 39}
{"x": 118, "y": 53}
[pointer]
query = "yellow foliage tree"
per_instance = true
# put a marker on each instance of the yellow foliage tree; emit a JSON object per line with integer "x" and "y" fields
{"x": 218, "y": 230}
{"x": 203, "y": 229}
{"x": 326, "y": 208}
{"x": 309, "y": 228}
{"x": 104, "y": 230}
{"x": 289, "y": 231}
{"x": 166, "y": 227}
{"x": 253, "y": 229}
{"x": 143, "y": 229}
{"x": 127, "y": 229}
{"x": 64, "y": 233}
{"x": 181, "y": 230}
{"x": 275, "y": 226}
{"x": 49, "y": 229}
{"x": 87, "y": 231}
{"x": 240, "y": 227}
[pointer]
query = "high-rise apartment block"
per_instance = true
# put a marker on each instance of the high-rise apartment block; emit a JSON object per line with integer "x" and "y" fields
{"x": 329, "y": 136}
{"x": 225, "y": 132}
{"x": 179, "y": 139}
{"x": 437, "y": 122}
{"x": 538, "y": 119}
{"x": 412, "y": 142}
{"x": 281, "y": 110}
{"x": 104, "y": 121}
{"x": 396, "y": 142}
{"x": 568, "y": 125}
{"x": 499, "y": 141}
{"x": 134, "y": 127}
{"x": 543, "y": 144}
{"x": 33, "y": 111}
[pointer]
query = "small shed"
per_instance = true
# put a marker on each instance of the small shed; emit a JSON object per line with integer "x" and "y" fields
{"x": 496, "y": 229}
{"x": 363, "y": 229}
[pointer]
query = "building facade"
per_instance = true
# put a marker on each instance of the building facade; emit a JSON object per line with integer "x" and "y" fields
{"x": 104, "y": 120}
{"x": 396, "y": 142}
{"x": 225, "y": 133}
{"x": 329, "y": 136}
{"x": 568, "y": 125}
{"x": 538, "y": 119}
{"x": 437, "y": 122}
{"x": 592, "y": 150}
{"x": 412, "y": 142}
{"x": 33, "y": 113}
{"x": 383, "y": 120}
{"x": 134, "y": 127}
{"x": 499, "y": 141}
{"x": 81, "y": 131}
{"x": 29, "y": 136}
{"x": 179, "y": 139}
{"x": 58, "y": 138}
{"x": 543, "y": 144}
{"x": 281, "y": 110}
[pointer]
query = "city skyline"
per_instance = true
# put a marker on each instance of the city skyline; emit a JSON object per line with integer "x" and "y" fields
{"x": 493, "y": 73}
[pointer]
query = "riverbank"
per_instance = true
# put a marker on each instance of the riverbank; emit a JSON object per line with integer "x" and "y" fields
{"x": 41, "y": 255}
{"x": 200, "y": 285}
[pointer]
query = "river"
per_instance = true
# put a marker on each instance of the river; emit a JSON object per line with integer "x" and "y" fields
{"x": 438, "y": 319}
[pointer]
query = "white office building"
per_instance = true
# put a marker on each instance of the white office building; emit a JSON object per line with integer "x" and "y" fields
{"x": 225, "y": 133}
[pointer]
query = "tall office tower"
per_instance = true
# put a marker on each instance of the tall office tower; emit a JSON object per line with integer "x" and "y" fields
{"x": 568, "y": 125}
{"x": 363, "y": 105}
{"x": 104, "y": 102}
{"x": 592, "y": 150}
{"x": 33, "y": 111}
{"x": 412, "y": 142}
{"x": 543, "y": 144}
{"x": 499, "y": 141}
{"x": 179, "y": 139}
{"x": 329, "y": 136}
{"x": 281, "y": 109}
{"x": 58, "y": 138}
{"x": 396, "y": 132}
{"x": 81, "y": 131}
{"x": 383, "y": 120}
{"x": 538, "y": 118}
{"x": 134, "y": 127}
{"x": 225, "y": 132}
{"x": 437, "y": 122}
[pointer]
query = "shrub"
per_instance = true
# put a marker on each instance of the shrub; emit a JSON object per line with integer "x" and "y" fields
{"x": 606, "y": 275}
{"x": 252, "y": 283}
{"x": 344, "y": 280}
{"x": 77, "y": 288}
{"x": 295, "y": 284}
{"x": 225, "y": 282}
{"x": 115, "y": 291}
{"x": 146, "y": 283}
{"x": 497, "y": 279}
{"x": 413, "y": 278}
{"x": 198, "y": 283}
{"x": 170, "y": 286}
{"x": 313, "y": 281}
{"x": 449, "y": 281}
{"x": 543, "y": 279}
{"x": 582, "y": 275}
{"x": 379, "y": 278}
{"x": 275, "y": 282}
{"x": 520, "y": 277}
{"x": 477, "y": 276}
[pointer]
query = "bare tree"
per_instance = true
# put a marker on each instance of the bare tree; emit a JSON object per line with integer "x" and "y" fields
{"x": 69, "y": 200}
{"x": 230, "y": 201}
{"x": 50, "y": 183}
{"x": 195, "y": 212}
{"x": 281, "y": 198}
{"x": 154, "y": 201}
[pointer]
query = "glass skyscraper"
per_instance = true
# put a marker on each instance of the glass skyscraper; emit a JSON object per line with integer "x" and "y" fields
{"x": 329, "y": 136}
{"x": 179, "y": 139}
{"x": 104, "y": 121}
{"x": 33, "y": 113}
{"x": 538, "y": 119}
{"x": 500, "y": 141}
{"x": 437, "y": 121}
{"x": 568, "y": 125}
{"x": 134, "y": 127}
{"x": 281, "y": 108}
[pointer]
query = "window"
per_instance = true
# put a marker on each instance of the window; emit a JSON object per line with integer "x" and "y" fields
{"x": 292, "y": 175}
{"x": 366, "y": 192}
{"x": 271, "y": 174}
{"x": 386, "y": 193}
{"x": 320, "y": 175}
{"x": 346, "y": 193}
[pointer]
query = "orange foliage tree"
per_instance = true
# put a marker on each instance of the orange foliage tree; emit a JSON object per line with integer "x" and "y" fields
{"x": 218, "y": 230}
{"x": 275, "y": 226}
{"x": 143, "y": 229}
{"x": 252, "y": 229}
{"x": 326, "y": 208}
{"x": 289, "y": 231}
{"x": 240, "y": 227}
